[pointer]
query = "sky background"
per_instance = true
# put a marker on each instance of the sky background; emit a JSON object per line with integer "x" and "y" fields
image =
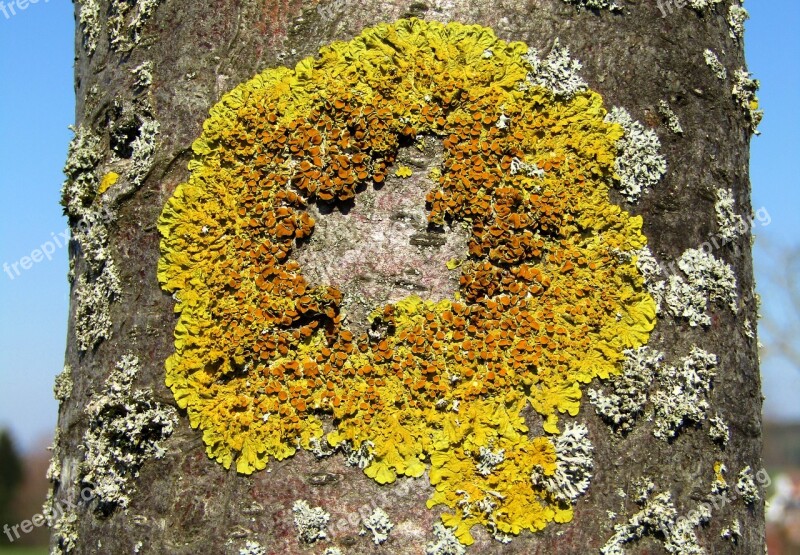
{"x": 37, "y": 106}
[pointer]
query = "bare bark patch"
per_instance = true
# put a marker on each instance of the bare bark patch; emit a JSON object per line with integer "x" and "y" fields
{"x": 381, "y": 249}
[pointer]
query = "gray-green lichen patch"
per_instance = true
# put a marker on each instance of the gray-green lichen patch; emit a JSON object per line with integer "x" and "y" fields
{"x": 126, "y": 428}
{"x": 126, "y": 21}
{"x": 62, "y": 388}
{"x": 89, "y": 201}
{"x": 359, "y": 458}
{"x": 658, "y": 518}
{"x": 732, "y": 532}
{"x": 737, "y": 16}
{"x": 670, "y": 117}
{"x": 730, "y": 225}
{"x": 746, "y": 486}
{"x": 65, "y": 533}
{"x": 703, "y": 5}
{"x": 379, "y": 524}
{"x": 321, "y": 449}
{"x": 642, "y": 488}
{"x": 488, "y": 459}
{"x": 683, "y": 393}
{"x": 651, "y": 270}
{"x": 530, "y": 169}
{"x": 744, "y": 91}
{"x": 486, "y": 506}
{"x": 144, "y": 149}
{"x": 707, "y": 279}
{"x": 143, "y": 75}
{"x": 99, "y": 285}
{"x": 89, "y": 20}
{"x": 444, "y": 542}
{"x": 557, "y": 71}
{"x": 596, "y": 4}
{"x": 679, "y": 397}
{"x": 61, "y": 515}
{"x": 573, "y": 465}
{"x": 133, "y": 140}
{"x": 639, "y": 164}
{"x": 252, "y": 548}
{"x": 749, "y": 331}
{"x": 54, "y": 468}
{"x": 712, "y": 61}
{"x": 311, "y": 522}
{"x": 623, "y": 400}
{"x": 80, "y": 188}
{"x": 92, "y": 308}
{"x": 332, "y": 550}
{"x": 719, "y": 431}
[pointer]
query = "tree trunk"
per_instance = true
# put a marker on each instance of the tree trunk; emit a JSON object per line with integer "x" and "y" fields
{"x": 673, "y": 432}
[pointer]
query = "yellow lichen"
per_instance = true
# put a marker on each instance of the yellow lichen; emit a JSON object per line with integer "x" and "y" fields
{"x": 108, "y": 180}
{"x": 403, "y": 171}
{"x": 719, "y": 475}
{"x": 548, "y": 299}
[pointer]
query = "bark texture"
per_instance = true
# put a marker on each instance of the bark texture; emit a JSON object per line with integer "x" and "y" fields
{"x": 186, "y": 503}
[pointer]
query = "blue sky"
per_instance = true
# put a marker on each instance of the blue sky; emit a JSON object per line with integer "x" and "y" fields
{"x": 773, "y": 55}
{"x": 36, "y": 57}
{"x": 37, "y": 106}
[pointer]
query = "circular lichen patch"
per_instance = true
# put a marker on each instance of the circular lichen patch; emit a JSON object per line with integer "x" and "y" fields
{"x": 549, "y": 295}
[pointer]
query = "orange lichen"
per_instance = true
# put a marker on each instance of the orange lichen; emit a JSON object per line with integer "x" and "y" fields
{"x": 548, "y": 299}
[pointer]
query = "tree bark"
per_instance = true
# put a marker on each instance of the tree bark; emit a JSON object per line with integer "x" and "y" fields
{"x": 184, "y": 502}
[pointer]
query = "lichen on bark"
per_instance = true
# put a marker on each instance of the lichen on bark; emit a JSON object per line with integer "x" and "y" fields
{"x": 183, "y": 505}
